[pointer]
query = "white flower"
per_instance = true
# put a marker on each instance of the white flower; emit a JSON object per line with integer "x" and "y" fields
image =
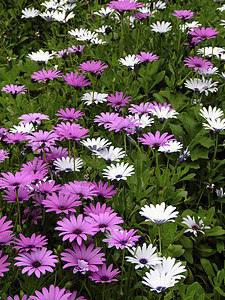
{"x": 143, "y": 120}
{"x": 159, "y": 5}
{"x": 62, "y": 16}
{"x": 220, "y": 193}
{"x": 189, "y": 26}
{"x": 66, "y": 164}
{"x": 211, "y": 114}
{"x": 162, "y": 27}
{"x": 208, "y": 72}
{"x": 30, "y": 13}
{"x": 193, "y": 226}
{"x": 68, "y": 7}
{"x": 83, "y": 34}
{"x": 41, "y": 56}
{"x": 24, "y": 128}
{"x": 184, "y": 155}
{"x": 163, "y": 112}
{"x": 174, "y": 146}
{"x": 47, "y": 15}
{"x": 104, "y": 12}
{"x": 111, "y": 154}
{"x": 202, "y": 85}
{"x": 222, "y": 8}
{"x": 143, "y": 256}
{"x": 130, "y": 61}
{"x": 104, "y": 29}
{"x": 216, "y": 125}
{"x": 97, "y": 41}
{"x": 159, "y": 214}
{"x": 50, "y": 4}
{"x": 209, "y": 51}
{"x": 169, "y": 265}
{"x": 96, "y": 144}
{"x": 118, "y": 171}
{"x": 96, "y": 98}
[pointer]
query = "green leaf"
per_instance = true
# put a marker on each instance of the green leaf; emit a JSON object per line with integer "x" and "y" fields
{"x": 207, "y": 267}
{"x": 186, "y": 242}
{"x": 159, "y": 77}
{"x": 220, "y": 291}
{"x": 189, "y": 256}
{"x": 215, "y": 231}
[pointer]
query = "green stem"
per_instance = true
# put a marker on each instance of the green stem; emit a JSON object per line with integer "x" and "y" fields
{"x": 103, "y": 292}
{"x": 18, "y": 204}
{"x": 90, "y": 297}
{"x": 157, "y": 172}
{"x": 122, "y": 267}
{"x": 167, "y": 166}
{"x": 125, "y": 144}
{"x": 160, "y": 239}
{"x": 49, "y": 172}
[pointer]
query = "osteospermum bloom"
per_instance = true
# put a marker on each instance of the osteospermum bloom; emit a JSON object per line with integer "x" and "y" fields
{"x": 33, "y": 118}
{"x": 53, "y": 293}
{"x": 173, "y": 146}
{"x": 183, "y": 14}
{"x": 111, "y": 154}
{"x": 44, "y": 75}
{"x": 159, "y": 214}
{"x": 42, "y": 139}
{"x": 3, "y": 264}
{"x": 162, "y": 27}
{"x": 98, "y": 209}
{"x": 69, "y": 114}
{"x": 104, "y": 191}
{"x": 76, "y": 80}
{"x": 143, "y": 108}
{"x": 14, "y": 89}
{"x": 147, "y": 56}
{"x": 128, "y": 124}
{"x": 169, "y": 265}
{"x": 106, "y": 119}
{"x": 24, "y": 128}
{"x": 41, "y": 56}
{"x": 118, "y": 171}
{"x": 163, "y": 112}
{"x": 157, "y": 140}
{"x": 94, "y": 97}
{"x": 194, "y": 227}
{"x": 38, "y": 261}
{"x": 3, "y": 155}
{"x": 61, "y": 203}
{"x": 30, "y": 243}
{"x": 104, "y": 274}
{"x": 202, "y": 85}
{"x": 16, "y": 297}
{"x": 204, "y": 33}
{"x": 29, "y": 13}
{"x": 23, "y": 194}
{"x": 198, "y": 63}
{"x": 96, "y": 144}
{"x": 143, "y": 256}
{"x": 212, "y": 113}
{"x": 83, "y": 259}
{"x": 130, "y": 61}
{"x": 83, "y": 189}
{"x": 93, "y": 67}
{"x": 124, "y": 5}
{"x": 15, "y": 181}
{"x": 76, "y": 49}
{"x": 118, "y": 100}
{"x": 122, "y": 238}
{"x": 15, "y": 138}
{"x": 216, "y": 125}
{"x": 66, "y": 164}
{"x": 71, "y": 131}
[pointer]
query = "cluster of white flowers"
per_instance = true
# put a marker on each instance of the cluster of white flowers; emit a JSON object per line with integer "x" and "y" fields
{"x": 212, "y": 116}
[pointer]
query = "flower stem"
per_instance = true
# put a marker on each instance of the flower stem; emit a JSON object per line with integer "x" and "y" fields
{"x": 49, "y": 172}
{"x": 160, "y": 240}
{"x": 122, "y": 267}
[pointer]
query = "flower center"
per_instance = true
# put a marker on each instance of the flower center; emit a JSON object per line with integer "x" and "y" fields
{"x": 195, "y": 227}
{"x": 119, "y": 176}
{"x": 68, "y": 169}
{"x": 36, "y": 264}
{"x": 77, "y": 231}
{"x": 198, "y": 65}
{"x": 123, "y": 242}
{"x": 102, "y": 226}
{"x": 104, "y": 278}
{"x": 143, "y": 261}
{"x": 160, "y": 288}
{"x": 62, "y": 207}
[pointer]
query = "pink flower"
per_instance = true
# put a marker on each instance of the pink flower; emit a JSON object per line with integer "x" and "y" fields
{"x": 3, "y": 264}
{"x": 119, "y": 100}
{"x": 33, "y": 118}
{"x": 183, "y": 14}
{"x": 141, "y": 15}
{"x": 42, "y": 139}
{"x": 124, "y": 5}
{"x": 14, "y": 181}
{"x": 76, "y": 80}
{"x": 44, "y": 75}
{"x": 38, "y": 261}
{"x": 46, "y": 187}
{"x": 143, "y": 108}
{"x": 83, "y": 189}
{"x": 69, "y": 114}
{"x": 4, "y": 226}
{"x": 204, "y": 33}
{"x": 127, "y": 124}
{"x": 53, "y": 293}
{"x": 105, "y": 221}
{"x": 157, "y": 140}
{"x": 76, "y": 49}
{"x": 3, "y": 155}
{"x": 92, "y": 67}
{"x": 122, "y": 238}
{"x": 16, "y": 297}
{"x": 14, "y": 89}
{"x": 71, "y": 131}
{"x": 15, "y": 138}
{"x": 30, "y": 243}
{"x": 62, "y": 54}
{"x": 35, "y": 165}
{"x": 103, "y": 190}
{"x": 106, "y": 119}
{"x": 104, "y": 275}
{"x": 198, "y": 63}
{"x": 82, "y": 259}
{"x": 147, "y": 56}
{"x": 75, "y": 229}
{"x": 97, "y": 210}
{"x": 24, "y": 194}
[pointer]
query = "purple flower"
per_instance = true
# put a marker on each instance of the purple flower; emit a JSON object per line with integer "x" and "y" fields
{"x": 4, "y": 226}
{"x": 104, "y": 275}
{"x": 3, "y": 155}
{"x": 141, "y": 15}
{"x": 183, "y": 14}
{"x": 38, "y": 261}
{"x": 32, "y": 243}
{"x": 124, "y": 5}
{"x": 157, "y": 140}
{"x": 204, "y": 33}
{"x": 127, "y": 124}
{"x": 122, "y": 238}
{"x": 103, "y": 190}
{"x": 119, "y": 100}
{"x": 53, "y": 293}
{"x": 105, "y": 221}
{"x": 76, "y": 80}
{"x": 75, "y": 229}
{"x": 92, "y": 67}
{"x": 14, "y": 89}
{"x": 6, "y": 238}
{"x": 42, "y": 139}
{"x": 57, "y": 153}
{"x": 44, "y": 75}
{"x": 82, "y": 259}
{"x": 106, "y": 119}
{"x": 16, "y": 297}
{"x": 69, "y": 114}
{"x": 143, "y": 108}
{"x": 3, "y": 264}
{"x": 76, "y": 49}
{"x": 33, "y": 118}
{"x": 14, "y": 181}
{"x": 35, "y": 165}
{"x": 47, "y": 187}
{"x": 71, "y": 131}
{"x": 198, "y": 63}
{"x": 147, "y": 56}
{"x": 83, "y": 189}
{"x": 15, "y": 138}
{"x": 62, "y": 54}
{"x": 62, "y": 203}
{"x": 24, "y": 194}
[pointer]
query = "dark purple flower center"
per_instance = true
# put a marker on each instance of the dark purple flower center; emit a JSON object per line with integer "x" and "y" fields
{"x": 102, "y": 226}
{"x": 62, "y": 207}
{"x": 16, "y": 184}
{"x": 195, "y": 227}
{"x": 81, "y": 195}
{"x": 119, "y": 176}
{"x": 77, "y": 231}
{"x": 143, "y": 261}
{"x": 198, "y": 65}
{"x": 104, "y": 278}
{"x": 36, "y": 264}
{"x": 123, "y": 242}
{"x": 159, "y": 288}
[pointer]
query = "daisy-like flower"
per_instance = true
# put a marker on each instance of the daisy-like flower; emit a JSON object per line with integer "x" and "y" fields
{"x": 118, "y": 171}
{"x": 61, "y": 203}
{"x": 76, "y": 80}
{"x": 71, "y": 131}
{"x": 14, "y": 181}
{"x": 209, "y": 51}
{"x": 183, "y": 14}
{"x": 163, "y": 112}
{"x": 212, "y": 113}
{"x": 110, "y": 154}
{"x": 62, "y": 16}
{"x": 104, "y": 191}
{"x": 38, "y": 261}
{"x": 184, "y": 155}
{"x": 130, "y": 61}
{"x": 128, "y": 124}
{"x": 162, "y": 27}
{"x": 76, "y": 49}
{"x": 23, "y": 194}
{"x": 119, "y": 100}
{"x": 15, "y": 138}
{"x": 33, "y": 243}
{"x": 106, "y": 119}
{"x": 143, "y": 256}
{"x": 96, "y": 144}
{"x": 76, "y": 228}
{"x": 44, "y": 75}
{"x": 189, "y": 26}
{"x": 16, "y": 297}
{"x": 83, "y": 34}
{"x": 143, "y": 108}
{"x": 69, "y": 114}
{"x": 41, "y": 56}
{"x": 194, "y": 227}
{"x": 173, "y": 146}
{"x": 83, "y": 259}
{"x": 204, "y": 33}
{"x": 93, "y": 67}
{"x": 47, "y": 15}
{"x": 29, "y": 13}
{"x": 202, "y": 85}
{"x": 159, "y": 214}
{"x": 94, "y": 97}
{"x": 62, "y": 53}
{"x": 83, "y": 189}
{"x": 147, "y": 56}
{"x": 97, "y": 210}
{"x": 124, "y": 5}
{"x": 67, "y": 164}
{"x": 121, "y": 238}
{"x": 3, "y": 155}
{"x": 157, "y": 140}
{"x": 105, "y": 29}
{"x": 104, "y": 12}
{"x": 105, "y": 221}
{"x": 209, "y": 72}
{"x": 145, "y": 121}
{"x": 14, "y": 89}
{"x": 53, "y": 293}
{"x": 42, "y": 139}
{"x": 3, "y": 264}
{"x": 33, "y": 118}
{"x": 169, "y": 265}
{"x": 23, "y": 128}
{"x": 104, "y": 274}
{"x": 216, "y": 125}
{"x": 198, "y": 63}
{"x": 5, "y": 226}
